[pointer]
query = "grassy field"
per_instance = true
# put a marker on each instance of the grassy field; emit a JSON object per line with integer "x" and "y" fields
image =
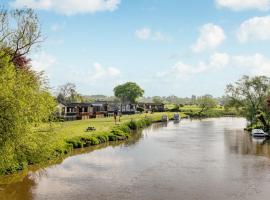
{"x": 193, "y": 111}
{"x": 69, "y": 129}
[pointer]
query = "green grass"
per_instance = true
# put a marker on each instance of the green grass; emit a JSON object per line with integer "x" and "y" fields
{"x": 193, "y": 111}
{"x": 70, "y": 129}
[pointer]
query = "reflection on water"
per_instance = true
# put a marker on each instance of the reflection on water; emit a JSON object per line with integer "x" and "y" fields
{"x": 240, "y": 143}
{"x": 198, "y": 159}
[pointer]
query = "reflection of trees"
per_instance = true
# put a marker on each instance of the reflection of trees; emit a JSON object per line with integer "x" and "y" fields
{"x": 243, "y": 143}
{"x": 135, "y": 138}
{"x": 20, "y": 190}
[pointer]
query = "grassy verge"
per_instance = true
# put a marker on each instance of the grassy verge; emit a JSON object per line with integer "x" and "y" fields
{"x": 74, "y": 135}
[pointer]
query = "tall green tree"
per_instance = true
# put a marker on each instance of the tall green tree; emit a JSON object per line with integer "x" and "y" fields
{"x": 249, "y": 96}
{"x": 205, "y": 103}
{"x": 25, "y": 100}
{"x": 128, "y": 92}
{"x": 24, "y": 103}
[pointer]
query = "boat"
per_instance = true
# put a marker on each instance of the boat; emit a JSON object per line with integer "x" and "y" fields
{"x": 259, "y": 133}
{"x": 164, "y": 118}
{"x": 176, "y": 117}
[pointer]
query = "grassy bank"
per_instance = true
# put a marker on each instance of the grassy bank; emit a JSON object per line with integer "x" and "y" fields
{"x": 194, "y": 111}
{"x": 55, "y": 140}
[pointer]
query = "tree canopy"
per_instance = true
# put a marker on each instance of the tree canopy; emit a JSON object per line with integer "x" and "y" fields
{"x": 68, "y": 94}
{"x": 249, "y": 95}
{"x": 157, "y": 99}
{"x": 128, "y": 92}
{"x": 19, "y": 33}
{"x": 206, "y": 102}
{"x": 25, "y": 100}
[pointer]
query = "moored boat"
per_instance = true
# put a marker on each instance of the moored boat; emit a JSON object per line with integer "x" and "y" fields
{"x": 259, "y": 133}
{"x": 176, "y": 117}
{"x": 164, "y": 118}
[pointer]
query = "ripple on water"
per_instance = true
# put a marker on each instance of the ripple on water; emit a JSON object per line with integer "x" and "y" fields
{"x": 194, "y": 159}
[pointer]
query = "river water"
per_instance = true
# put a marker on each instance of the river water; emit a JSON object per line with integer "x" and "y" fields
{"x": 198, "y": 159}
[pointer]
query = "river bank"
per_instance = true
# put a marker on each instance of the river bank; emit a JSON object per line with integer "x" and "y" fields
{"x": 58, "y": 139}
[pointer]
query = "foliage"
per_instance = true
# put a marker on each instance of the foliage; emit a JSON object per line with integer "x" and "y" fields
{"x": 249, "y": 96}
{"x": 24, "y": 102}
{"x": 205, "y": 103}
{"x": 68, "y": 94}
{"x": 175, "y": 108}
{"x": 157, "y": 99}
{"x": 19, "y": 32}
{"x": 128, "y": 92}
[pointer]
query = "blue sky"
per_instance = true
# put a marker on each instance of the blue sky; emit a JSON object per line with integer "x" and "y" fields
{"x": 179, "y": 47}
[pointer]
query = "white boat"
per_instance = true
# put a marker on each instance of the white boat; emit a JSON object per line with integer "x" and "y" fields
{"x": 176, "y": 117}
{"x": 164, "y": 118}
{"x": 259, "y": 133}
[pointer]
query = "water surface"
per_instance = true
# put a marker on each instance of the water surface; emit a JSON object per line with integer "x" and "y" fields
{"x": 198, "y": 159}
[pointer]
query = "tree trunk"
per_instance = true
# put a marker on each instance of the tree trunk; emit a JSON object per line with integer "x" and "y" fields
{"x": 262, "y": 119}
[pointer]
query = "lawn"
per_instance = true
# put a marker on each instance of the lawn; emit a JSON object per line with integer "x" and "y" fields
{"x": 58, "y": 135}
{"x": 77, "y": 128}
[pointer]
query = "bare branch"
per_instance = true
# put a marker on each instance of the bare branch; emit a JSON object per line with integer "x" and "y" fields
{"x": 19, "y": 38}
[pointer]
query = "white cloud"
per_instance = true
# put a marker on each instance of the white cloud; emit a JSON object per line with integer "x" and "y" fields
{"x": 42, "y": 62}
{"x": 257, "y": 28}
{"x": 219, "y": 60}
{"x": 237, "y": 5}
{"x": 96, "y": 73}
{"x": 211, "y": 36}
{"x": 146, "y": 33}
{"x": 69, "y": 7}
{"x": 143, "y": 33}
{"x": 178, "y": 70}
{"x": 184, "y": 71}
{"x": 99, "y": 72}
{"x": 257, "y": 63}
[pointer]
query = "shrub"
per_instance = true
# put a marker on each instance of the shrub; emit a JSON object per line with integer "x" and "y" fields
{"x": 132, "y": 125}
{"x": 175, "y": 108}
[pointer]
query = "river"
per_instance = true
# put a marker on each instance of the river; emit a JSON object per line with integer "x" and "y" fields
{"x": 193, "y": 159}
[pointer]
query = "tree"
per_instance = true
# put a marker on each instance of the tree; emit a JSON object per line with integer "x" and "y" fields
{"x": 25, "y": 102}
{"x": 206, "y": 102}
{"x": 128, "y": 92}
{"x": 249, "y": 96}
{"x": 68, "y": 94}
{"x": 157, "y": 99}
{"x": 19, "y": 33}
